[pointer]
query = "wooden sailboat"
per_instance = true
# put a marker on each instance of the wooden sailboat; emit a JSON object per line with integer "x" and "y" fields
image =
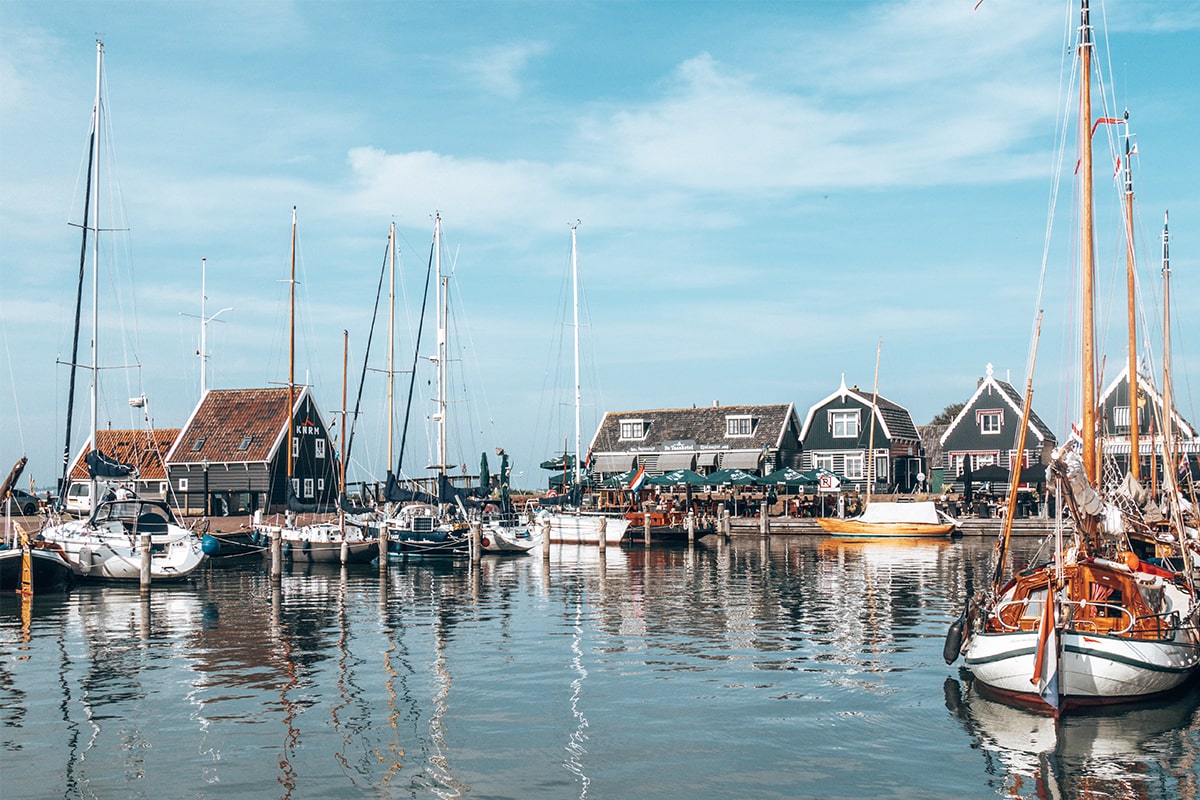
{"x": 108, "y": 544}
{"x": 568, "y": 522}
{"x": 1093, "y": 623}
{"x": 327, "y": 541}
{"x": 884, "y": 520}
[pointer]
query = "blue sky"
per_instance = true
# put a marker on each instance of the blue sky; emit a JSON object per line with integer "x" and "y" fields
{"x": 765, "y": 190}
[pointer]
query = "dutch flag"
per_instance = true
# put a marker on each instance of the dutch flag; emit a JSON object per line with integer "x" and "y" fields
{"x": 1045, "y": 660}
{"x": 638, "y": 479}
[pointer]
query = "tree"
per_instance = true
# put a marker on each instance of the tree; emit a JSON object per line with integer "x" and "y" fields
{"x": 948, "y": 414}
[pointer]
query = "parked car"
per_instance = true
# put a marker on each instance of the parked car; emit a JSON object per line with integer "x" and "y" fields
{"x": 22, "y": 503}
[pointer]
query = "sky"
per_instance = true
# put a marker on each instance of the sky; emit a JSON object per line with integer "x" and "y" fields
{"x": 767, "y": 195}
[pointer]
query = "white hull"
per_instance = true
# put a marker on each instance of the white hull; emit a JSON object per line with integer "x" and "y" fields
{"x": 96, "y": 552}
{"x": 1092, "y": 667}
{"x": 498, "y": 538}
{"x": 321, "y": 542}
{"x": 568, "y": 528}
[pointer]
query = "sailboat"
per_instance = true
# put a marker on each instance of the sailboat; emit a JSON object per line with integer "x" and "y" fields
{"x": 328, "y": 541}
{"x": 108, "y": 544}
{"x": 23, "y": 567}
{"x": 916, "y": 520}
{"x": 439, "y": 524}
{"x": 563, "y": 514}
{"x": 1090, "y": 622}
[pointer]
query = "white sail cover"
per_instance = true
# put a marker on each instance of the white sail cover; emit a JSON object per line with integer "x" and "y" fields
{"x": 882, "y": 513}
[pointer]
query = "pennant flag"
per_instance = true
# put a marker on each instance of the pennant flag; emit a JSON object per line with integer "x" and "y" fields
{"x": 1183, "y": 463}
{"x": 1045, "y": 660}
{"x": 1076, "y": 434}
{"x": 638, "y": 479}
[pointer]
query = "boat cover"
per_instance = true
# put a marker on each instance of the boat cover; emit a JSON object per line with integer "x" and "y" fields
{"x": 881, "y": 513}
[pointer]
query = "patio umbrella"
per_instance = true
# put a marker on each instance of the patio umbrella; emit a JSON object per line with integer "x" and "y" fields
{"x": 679, "y": 477}
{"x": 731, "y": 477}
{"x": 791, "y": 478}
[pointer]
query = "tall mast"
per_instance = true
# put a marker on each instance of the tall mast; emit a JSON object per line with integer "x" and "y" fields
{"x": 291, "y": 409}
{"x": 1135, "y": 467}
{"x": 204, "y": 320}
{"x": 1168, "y": 399}
{"x": 871, "y": 436}
{"x": 442, "y": 315}
{"x": 1086, "y": 252}
{"x": 95, "y": 388}
{"x": 391, "y": 356}
{"x": 342, "y": 443}
{"x": 575, "y": 325}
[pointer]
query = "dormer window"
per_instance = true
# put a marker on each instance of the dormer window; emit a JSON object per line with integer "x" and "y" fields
{"x": 742, "y": 425}
{"x": 633, "y": 429}
{"x": 989, "y": 421}
{"x": 843, "y": 424}
{"x": 197, "y": 445}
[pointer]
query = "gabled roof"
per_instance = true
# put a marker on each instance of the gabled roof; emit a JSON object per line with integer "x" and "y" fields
{"x": 145, "y": 450}
{"x": 896, "y": 421}
{"x": 1146, "y": 385}
{"x": 1011, "y": 397}
{"x": 704, "y": 427}
{"x": 227, "y": 418}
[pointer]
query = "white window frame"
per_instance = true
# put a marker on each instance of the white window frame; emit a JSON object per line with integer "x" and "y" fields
{"x": 308, "y": 487}
{"x": 988, "y": 418}
{"x": 633, "y": 430}
{"x": 321, "y": 485}
{"x": 295, "y": 447}
{"x": 183, "y": 484}
{"x": 853, "y": 469}
{"x": 823, "y": 461}
{"x": 739, "y": 425}
{"x": 847, "y": 420}
{"x": 319, "y": 444}
{"x": 881, "y": 467}
{"x": 164, "y": 487}
{"x": 296, "y": 486}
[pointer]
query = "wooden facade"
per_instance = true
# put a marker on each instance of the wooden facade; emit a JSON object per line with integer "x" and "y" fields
{"x": 232, "y": 457}
{"x": 985, "y": 431}
{"x": 837, "y": 436}
{"x": 757, "y": 439}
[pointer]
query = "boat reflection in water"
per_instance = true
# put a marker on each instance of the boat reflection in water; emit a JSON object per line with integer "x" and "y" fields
{"x": 1138, "y": 751}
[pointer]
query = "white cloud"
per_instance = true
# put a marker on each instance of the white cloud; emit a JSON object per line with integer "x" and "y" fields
{"x": 499, "y": 70}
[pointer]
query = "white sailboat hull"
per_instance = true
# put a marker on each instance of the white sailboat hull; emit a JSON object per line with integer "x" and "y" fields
{"x": 95, "y": 552}
{"x": 497, "y": 537}
{"x": 581, "y": 528}
{"x": 1092, "y": 667}
{"x": 321, "y": 543}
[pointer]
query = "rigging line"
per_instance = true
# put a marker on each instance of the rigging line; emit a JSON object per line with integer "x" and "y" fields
{"x": 412, "y": 375}
{"x": 367, "y": 354}
{"x": 12, "y": 377}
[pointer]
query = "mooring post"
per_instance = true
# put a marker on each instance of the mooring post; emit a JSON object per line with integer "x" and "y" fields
{"x": 145, "y": 572}
{"x": 603, "y": 541}
{"x": 476, "y": 542}
{"x": 646, "y": 522}
{"x": 691, "y": 526}
{"x": 546, "y": 540}
{"x": 764, "y": 521}
{"x": 383, "y": 547}
{"x": 276, "y": 555}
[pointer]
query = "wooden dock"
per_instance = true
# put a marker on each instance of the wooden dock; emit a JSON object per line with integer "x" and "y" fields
{"x": 802, "y": 526}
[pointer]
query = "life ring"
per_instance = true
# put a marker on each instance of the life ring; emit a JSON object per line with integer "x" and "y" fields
{"x": 552, "y": 493}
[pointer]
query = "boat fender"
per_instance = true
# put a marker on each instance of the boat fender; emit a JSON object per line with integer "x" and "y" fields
{"x": 85, "y": 560}
{"x": 485, "y": 542}
{"x": 306, "y": 547}
{"x": 954, "y": 637}
{"x": 287, "y": 550}
{"x": 210, "y": 544}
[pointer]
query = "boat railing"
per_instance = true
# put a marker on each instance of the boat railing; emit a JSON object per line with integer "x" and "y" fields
{"x": 1029, "y": 617}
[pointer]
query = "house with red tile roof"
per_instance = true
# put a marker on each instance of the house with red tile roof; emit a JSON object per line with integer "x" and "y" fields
{"x": 144, "y": 450}
{"x": 233, "y": 455}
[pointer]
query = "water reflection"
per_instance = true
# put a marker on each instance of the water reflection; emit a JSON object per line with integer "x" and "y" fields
{"x": 1139, "y": 751}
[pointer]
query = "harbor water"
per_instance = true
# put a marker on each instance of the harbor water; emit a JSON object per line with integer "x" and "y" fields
{"x": 789, "y": 667}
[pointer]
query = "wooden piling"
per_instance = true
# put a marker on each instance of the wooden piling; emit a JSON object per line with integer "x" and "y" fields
{"x": 476, "y": 542}
{"x": 691, "y": 526}
{"x": 646, "y": 522}
{"x": 603, "y": 539}
{"x": 383, "y": 547}
{"x": 764, "y": 521}
{"x": 276, "y": 556}
{"x": 145, "y": 571}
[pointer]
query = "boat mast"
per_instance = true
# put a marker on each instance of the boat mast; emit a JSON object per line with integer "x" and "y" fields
{"x": 1135, "y": 466}
{"x": 1168, "y": 399}
{"x": 95, "y": 388}
{"x": 291, "y": 409}
{"x": 871, "y": 436}
{"x": 442, "y": 317}
{"x": 1087, "y": 253}
{"x": 391, "y": 370}
{"x": 342, "y": 444}
{"x": 575, "y": 317}
{"x": 204, "y": 320}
